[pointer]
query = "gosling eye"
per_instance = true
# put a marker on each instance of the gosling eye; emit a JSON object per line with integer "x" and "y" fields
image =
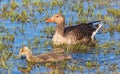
{"x": 22, "y": 50}
{"x": 23, "y": 57}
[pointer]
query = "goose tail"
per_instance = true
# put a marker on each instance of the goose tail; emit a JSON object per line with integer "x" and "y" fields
{"x": 97, "y": 27}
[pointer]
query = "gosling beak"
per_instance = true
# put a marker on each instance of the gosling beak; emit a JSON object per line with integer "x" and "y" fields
{"x": 18, "y": 56}
{"x": 49, "y": 20}
{"x": 21, "y": 56}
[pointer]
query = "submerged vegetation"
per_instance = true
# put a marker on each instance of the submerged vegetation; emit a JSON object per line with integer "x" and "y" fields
{"x": 23, "y": 23}
{"x": 114, "y": 12}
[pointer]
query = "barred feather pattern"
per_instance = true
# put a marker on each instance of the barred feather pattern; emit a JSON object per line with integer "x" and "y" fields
{"x": 79, "y": 34}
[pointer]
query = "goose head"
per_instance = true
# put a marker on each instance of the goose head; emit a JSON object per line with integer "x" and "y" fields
{"x": 57, "y": 18}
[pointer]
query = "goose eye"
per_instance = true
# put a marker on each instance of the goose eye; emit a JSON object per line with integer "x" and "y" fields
{"x": 57, "y": 16}
{"x": 22, "y": 50}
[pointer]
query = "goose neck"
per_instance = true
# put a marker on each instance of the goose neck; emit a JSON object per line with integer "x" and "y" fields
{"x": 60, "y": 29}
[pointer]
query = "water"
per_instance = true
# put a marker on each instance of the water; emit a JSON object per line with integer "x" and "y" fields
{"x": 105, "y": 59}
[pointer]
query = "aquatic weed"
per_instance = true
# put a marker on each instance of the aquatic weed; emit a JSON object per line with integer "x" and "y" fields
{"x": 49, "y": 31}
{"x": 117, "y": 27}
{"x": 13, "y": 5}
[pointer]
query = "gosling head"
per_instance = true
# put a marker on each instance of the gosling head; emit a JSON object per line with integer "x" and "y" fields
{"x": 57, "y": 18}
{"x": 24, "y": 51}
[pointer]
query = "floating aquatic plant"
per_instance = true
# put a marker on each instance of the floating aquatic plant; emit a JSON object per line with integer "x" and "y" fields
{"x": 108, "y": 44}
{"x": 114, "y": 12}
{"x": 5, "y": 56}
{"x": 108, "y": 18}
{"x": 2, "y": 46}
{"x": 117, "y": 28}
{"x": 9, "y": 37}
{"x": 5, "y": 15}
{"x": 117, "y": 52}
{"x": 13, "y": 5}
{"x": 37, "y": 3}
{"x": 111, "y": 29}
{"x": 49, "y": 31}
{"x": 46, "y": 43}
{"x": 26, "y": 2}
{"x": 92, "y": 64}
{"x": 36, "y": 41}
{"x": 24, "y": 16}
{"x": 56, "y": 3}
{"x": 79, "y": 8}
{"x": 81, "y": 68}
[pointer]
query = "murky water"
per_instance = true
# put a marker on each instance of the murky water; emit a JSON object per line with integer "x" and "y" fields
{"x": 35, "y": 33}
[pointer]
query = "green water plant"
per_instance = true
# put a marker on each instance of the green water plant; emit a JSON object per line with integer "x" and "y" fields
{"x": 36, "y": 3}
{"x": 49, "y": 31}
{"x": 56, "y": 3}
{"x": 36, "y": 41}
{"x": 81, "y": 68}
{"x": 91, "y": 64}
{"x": 24, "y": 16}
{"x": 2, "y": 46}
{"x": 114, "y": 12}
{"x": 108, "y": 18}
{"x": 14, "y": 5}
{"x": 9, "y": 37}
{"x": 26, "y": 2}
{"x": 111, "y": 29}
{"x": 117, "y": 27}
{"x": 78, "y": 48}
{"x": 107, "y": 45}
{"x": 4, "y": 8}
{"x": 79, "y": 8}
{"x": 5, "y": 56}
{"x": 5, "y": 15}
{"x": 53, "y": 3}
{"x": 46, "y": 43}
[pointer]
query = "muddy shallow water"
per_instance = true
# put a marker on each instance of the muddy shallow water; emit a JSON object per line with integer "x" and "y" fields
{"x": 24, "y": 25}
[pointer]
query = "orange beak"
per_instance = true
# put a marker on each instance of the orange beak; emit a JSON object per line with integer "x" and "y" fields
{"x": 49, "y": 20}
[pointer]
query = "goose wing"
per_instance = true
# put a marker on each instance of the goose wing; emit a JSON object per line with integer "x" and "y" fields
{"x": 80, "y": 31}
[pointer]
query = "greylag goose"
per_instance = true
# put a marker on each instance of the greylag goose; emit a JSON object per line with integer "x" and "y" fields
{"x": 83, "y": 33}
{"x": 46, "y": 57}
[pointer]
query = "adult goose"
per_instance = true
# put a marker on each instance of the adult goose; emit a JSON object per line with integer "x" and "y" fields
{"x": 83, "y": 33}
{"x": 45, "y": 57}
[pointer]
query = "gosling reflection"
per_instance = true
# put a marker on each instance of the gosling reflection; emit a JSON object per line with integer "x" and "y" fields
{"x": 50, "y": 68}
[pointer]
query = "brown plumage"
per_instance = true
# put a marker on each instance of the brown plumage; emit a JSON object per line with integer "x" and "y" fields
{"x": 46, "y": 57}
{"x": 82, "y": 33}
{"x": 79, "y": 31}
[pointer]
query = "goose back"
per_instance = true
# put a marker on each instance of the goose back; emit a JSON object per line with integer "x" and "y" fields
{"x": 79, "y": 31}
